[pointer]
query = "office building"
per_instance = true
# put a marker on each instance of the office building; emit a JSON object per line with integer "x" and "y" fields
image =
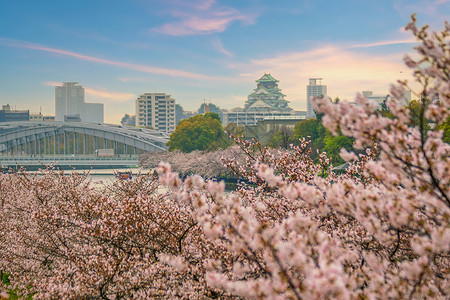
{"x": 314, "y": 89}
{"x": 92, "y": 113}
{"x": 156, "y": 110}
{"x": 11, "y": 115}
{"x": 69, "y": 101}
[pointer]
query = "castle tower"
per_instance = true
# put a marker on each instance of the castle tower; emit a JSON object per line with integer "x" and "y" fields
{"x": 267, "y": 96}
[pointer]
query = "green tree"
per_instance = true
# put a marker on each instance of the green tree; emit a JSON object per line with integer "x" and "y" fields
{"x": 414, "y": 106}
{"x": 445, "y": 127}
{"x": 313, "y": 129}
{"x": 334, "y": 144}
{"x": 234, "y": 129}
{"x": 200, "y": 132}
{"x": 282, "y": 138}
{"x": 307, "y": 128}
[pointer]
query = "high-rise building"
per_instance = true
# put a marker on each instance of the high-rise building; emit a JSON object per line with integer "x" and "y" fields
{"x": 313, "y": 90}
{"x": 156, "y": 110}
{"x": 69, "y": 101}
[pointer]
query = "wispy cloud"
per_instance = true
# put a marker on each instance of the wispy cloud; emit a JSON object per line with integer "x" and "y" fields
{"x": 384, "y": 43}
{"x": 110, "y": 95}
{"x": 217, "y": 44}
{"x": 101, "y": 94}
{"x": 202, "y": 17}
{"x": 52, "y": 83}
{"x": 130, "y": 66}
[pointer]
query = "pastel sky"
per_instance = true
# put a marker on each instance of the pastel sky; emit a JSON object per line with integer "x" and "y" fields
{"x": 203, "y": 50}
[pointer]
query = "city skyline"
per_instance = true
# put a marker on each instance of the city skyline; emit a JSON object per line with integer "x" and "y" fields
{"x": 206, "y": 49}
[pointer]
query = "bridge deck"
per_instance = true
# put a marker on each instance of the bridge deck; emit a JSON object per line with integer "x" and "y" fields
{"x": 60, "y": 160}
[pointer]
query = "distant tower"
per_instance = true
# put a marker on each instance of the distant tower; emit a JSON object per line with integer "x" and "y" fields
{"x": 314, "y": 90}
{"x": 207, "y": 108}
{"x": 69, "y": 99}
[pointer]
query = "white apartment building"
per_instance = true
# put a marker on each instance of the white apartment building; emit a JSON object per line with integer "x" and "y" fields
{"x": 69, "y": 101}
{"x": 156, "y": 110}
{"x": 314, "y": 89}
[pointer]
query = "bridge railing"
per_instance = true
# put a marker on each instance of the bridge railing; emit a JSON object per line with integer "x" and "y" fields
{"x": 39, "y": 157}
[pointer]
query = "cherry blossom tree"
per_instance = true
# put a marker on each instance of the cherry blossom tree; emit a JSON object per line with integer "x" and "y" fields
{"x": 207, "y": 164}
{"x": 62, "y": 238}
{"x": 297, "y": 230}
{"x": 379, "y": 231}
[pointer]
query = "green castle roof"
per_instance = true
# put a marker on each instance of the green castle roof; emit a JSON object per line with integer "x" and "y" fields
{"x": 275, "y": 91}
{"x": 266, "y": 78}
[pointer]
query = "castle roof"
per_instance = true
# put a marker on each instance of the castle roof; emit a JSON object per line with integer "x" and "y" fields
{"x": 267, "y": 78}
{"x": 262, "y": 90}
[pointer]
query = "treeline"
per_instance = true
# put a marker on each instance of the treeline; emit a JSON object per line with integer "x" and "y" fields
{"x": 205, "y": 133}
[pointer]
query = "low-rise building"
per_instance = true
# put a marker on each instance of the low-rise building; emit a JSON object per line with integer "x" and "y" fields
{"x": 250, "y": 117}
{"x": 39, "y": 117}
{"x": 7, "y": 114}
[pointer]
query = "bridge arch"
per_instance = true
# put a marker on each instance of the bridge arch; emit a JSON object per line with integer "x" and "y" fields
{"x": 67, "y": 138}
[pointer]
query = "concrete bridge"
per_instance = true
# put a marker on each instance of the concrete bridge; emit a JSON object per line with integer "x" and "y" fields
{"x": 35, "y": 143}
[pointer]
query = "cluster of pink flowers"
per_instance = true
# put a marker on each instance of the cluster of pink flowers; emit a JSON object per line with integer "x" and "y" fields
{"x": 205, "y": 163}
{"x": 298, "y": 230}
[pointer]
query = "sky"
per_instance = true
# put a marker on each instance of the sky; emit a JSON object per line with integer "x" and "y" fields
{"x": 203, "y": 50}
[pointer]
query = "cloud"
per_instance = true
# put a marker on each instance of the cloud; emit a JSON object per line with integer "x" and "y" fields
{"x": 384, "y": 43}
{"x": 109, "y": 95}
{"x": 129, "y": 66}
{"x": 203, "y": 17}
{"x": 217, "y": 44}
{"x": 52, "y": 83}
